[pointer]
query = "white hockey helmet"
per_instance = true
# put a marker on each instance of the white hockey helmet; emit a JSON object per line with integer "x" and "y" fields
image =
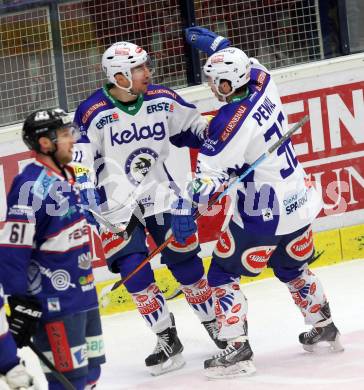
{"x": 122, "y": 57}
{"x": 230, "y": 64}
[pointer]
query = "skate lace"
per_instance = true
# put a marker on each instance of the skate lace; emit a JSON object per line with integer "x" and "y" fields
{"x": 226, "y": 351}
{"x": 212, "y": 329}
{"x": 162, "y": 345}
{"x": 312, "y": 333}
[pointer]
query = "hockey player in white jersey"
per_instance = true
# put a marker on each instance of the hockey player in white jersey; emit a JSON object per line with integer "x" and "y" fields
{"x": 274, "y": 206}
{"x": 127, "y": 130}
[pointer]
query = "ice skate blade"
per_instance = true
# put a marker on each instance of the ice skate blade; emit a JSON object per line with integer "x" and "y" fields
{"x": 245, "y": 368}
{"x": 172, "y": 364}
{"x": 331, "y": 346}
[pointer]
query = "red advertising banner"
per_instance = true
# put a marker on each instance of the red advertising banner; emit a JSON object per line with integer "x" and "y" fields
{"x": 330, "y": 146}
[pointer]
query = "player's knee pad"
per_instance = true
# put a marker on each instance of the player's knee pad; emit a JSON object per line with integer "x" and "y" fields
{"x": 188, "y": 271}
{"x": 231, "y": 308}
{"x": 285, "y": 274}
{"x": 92, "y": 377}
{"x": 308, "y": 294}
{"x": 152, "y": 306}
{"x": 142, "y": 279}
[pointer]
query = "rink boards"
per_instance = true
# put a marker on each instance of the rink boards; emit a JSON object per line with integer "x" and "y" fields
{"x": 331, "y": 247}
{"x": 330, "y": 147}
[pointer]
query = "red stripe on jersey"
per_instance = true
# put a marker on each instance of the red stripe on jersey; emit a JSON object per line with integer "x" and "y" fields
{"x": 15, "y": 246}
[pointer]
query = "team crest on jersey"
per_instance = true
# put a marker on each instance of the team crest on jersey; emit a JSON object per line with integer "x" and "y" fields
{"x": 139, "y": 163}
{"x": 225, "y": 247}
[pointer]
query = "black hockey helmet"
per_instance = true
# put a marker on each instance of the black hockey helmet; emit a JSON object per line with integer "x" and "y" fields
{"x": 43, "y": 123}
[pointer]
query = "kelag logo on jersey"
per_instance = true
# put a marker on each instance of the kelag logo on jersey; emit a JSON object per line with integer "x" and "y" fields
{"x": 156, "y": 132}
{"x": 160, "y": 107}
{"x": 139, "y": 163}
{"x": 114, "y": 117}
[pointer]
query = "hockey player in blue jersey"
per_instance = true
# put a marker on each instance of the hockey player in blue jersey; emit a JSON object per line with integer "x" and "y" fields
{"x": 13, "y": 374}
{"x": 274, "y": 206}
{"x": 127, "y": 128}
{"x": 45, "y": 256}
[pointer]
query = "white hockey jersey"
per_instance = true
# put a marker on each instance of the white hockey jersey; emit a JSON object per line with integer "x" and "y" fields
{"x": 126, "y": 146}
{"x": 277, "y": 197}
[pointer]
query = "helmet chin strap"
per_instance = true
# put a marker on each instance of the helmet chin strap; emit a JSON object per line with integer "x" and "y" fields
{"x": 222, "y": 97}
{"x": 52, "y": 155}
{"x": 127, "y": 90}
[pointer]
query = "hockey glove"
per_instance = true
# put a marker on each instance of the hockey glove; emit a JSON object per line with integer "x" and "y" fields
{"x": 19, "y": 378}
{"x": 26, "y": 313}
{"x": 205, "y": 40}
{"x": 183, "y": 224}
{"x": 90, "y": 199}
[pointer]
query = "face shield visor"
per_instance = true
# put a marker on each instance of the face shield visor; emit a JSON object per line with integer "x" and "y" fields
{"x": 68, "y": 132}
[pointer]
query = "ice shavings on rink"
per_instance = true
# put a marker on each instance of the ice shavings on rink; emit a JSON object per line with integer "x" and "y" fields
{"x": 274, "y": 325}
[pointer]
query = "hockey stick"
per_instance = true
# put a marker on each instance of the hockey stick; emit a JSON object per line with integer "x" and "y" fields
{"x": 58, "y": 375}
{"x": 136, "y": 217}
{"x": 216, "y": 198}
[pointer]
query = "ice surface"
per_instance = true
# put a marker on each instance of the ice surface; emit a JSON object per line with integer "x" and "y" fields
{"x": 274, "y": 325}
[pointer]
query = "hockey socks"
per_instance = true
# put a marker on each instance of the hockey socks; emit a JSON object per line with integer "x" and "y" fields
{"x": 309, "y": 297}
{"x": 152, "y": 306}
{"x": 200, "y": 298}
{"x": 231, "y": 308}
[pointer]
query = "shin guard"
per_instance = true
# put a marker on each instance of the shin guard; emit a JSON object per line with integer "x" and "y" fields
{"x": 152, "y": 306}
{"x": 199, "y": 297}
{"x": 308, "y": 294}
{"x": 231, "y": 308}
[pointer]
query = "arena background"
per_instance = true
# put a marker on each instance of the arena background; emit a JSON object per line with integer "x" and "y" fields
{"x": 50, "y": 56}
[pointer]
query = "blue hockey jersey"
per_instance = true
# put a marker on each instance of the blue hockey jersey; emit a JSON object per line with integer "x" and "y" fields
{"x": 44, "y": 243}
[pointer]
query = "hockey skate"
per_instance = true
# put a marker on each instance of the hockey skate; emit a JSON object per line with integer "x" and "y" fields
{"x": 213, "y": 331}
{"x": 234, "y": 361}
{"x": 167, "y": 355}
{"x": 324, "y": 330}
{"x": 319, "y": 333}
